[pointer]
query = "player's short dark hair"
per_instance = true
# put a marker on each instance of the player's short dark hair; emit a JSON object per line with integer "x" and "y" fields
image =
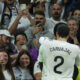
{"x": 39, "y": 13}
{"x": 56, "y": 26}
{"x": 62, "y": 29}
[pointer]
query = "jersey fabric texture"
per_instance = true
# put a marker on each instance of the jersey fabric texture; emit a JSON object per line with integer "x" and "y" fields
{"x": 58, "y": 59}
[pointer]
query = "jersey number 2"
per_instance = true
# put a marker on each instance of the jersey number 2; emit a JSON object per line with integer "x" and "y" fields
{"x": 58, "y": 65}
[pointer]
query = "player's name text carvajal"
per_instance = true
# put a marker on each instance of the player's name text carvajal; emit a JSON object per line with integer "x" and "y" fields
{"x": 60, "y": 49}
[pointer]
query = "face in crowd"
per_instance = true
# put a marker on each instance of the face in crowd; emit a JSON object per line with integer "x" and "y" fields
{"x": 5, "y": 40}
{"x": 3, "y": 58}
{"x": 77, "y": 13}
{"x": 39, "y": 7}
{"x": 73, "y": 27}
{"x": 56, "y": 11}
{"x": 24, "y": 60}
{"x": 20, "y": 41}
{"x": 39, "y": 18}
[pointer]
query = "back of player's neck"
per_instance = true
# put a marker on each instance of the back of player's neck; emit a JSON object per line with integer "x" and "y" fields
{"x": 62, "y": 39}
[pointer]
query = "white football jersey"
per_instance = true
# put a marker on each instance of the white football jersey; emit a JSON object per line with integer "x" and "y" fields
{"x": 58, "y": 59}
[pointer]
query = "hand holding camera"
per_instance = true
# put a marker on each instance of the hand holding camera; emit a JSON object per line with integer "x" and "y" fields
{"x": 38, "y": 27}
{"x": 23, "y": 9}
{"x": 38, "y": 23}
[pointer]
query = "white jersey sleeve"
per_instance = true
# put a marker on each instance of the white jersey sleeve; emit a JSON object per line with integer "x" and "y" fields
{"x": 43, "y": 39}
{"x": 37, "y": 68}
{"x": 40, "y": 57}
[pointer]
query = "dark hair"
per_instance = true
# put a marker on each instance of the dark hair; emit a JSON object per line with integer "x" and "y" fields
{"x": 75, "y": 19}
{"x": 56, "y": 26}
{"x": 36, "y": 4}
{"x": 39, "y": 13}
{"x": 56, "y": 4}
{"x": 8, "y": 67}
{"x": 20, "y": 33}
{"x": 62, "y": 30}
{"x": 24, "y": 1}
{"x": 30, "y": 66}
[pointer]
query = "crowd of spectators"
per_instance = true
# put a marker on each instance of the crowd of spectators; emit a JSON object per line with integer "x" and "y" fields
{"x": 22, "y": 23}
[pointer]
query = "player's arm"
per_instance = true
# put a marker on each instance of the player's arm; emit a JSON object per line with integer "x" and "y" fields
{"x": 39, "y": 65}
{"x": 37, "y": 71}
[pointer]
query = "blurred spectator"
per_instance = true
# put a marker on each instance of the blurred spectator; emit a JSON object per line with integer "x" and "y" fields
{"x": 56, "y": 11}
{"x": 39, "y": 29}
{"x": 77, "y": 14}
{"x": 21, "y": 42}
{"x": 47, "y": 8}
{"x": 70, "y": 6}
{"x": 6, "y": 72}
{"x": 7, "y": 40}
{"x": 2, "y": 45}
{"x": 8, "y": 8}
{"x": 21, "y": 21}
{"x": 73, "y": 24}
{"x": 23, "y": 68}
{"x": 39, "y": 7}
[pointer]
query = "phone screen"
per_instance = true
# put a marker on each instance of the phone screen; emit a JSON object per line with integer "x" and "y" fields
{"x": 23, "y": 7}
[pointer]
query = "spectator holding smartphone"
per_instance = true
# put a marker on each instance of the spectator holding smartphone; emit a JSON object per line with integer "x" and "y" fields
{"x": 21, "y": 21}
{"x": 39, "y": 29}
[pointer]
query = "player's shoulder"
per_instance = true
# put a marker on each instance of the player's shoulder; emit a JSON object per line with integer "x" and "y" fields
{"x": 44, "y": 40}
{"x": 75, "y": 46}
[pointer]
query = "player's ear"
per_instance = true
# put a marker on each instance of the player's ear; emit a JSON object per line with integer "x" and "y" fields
{"x": 67, "y": 37}
{"x": 57, "y": 35}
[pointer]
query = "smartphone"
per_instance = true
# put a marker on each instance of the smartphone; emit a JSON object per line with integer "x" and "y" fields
{"x": 38, "y": 22}
{"x": 23, "y": 6}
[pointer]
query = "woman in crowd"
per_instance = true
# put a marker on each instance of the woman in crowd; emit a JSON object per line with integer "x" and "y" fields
{"x": 6, "y": 72}
{"x": 21, "y": 42}
{"x": 73, "y": 24}
{"x": 23, "y": 68}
